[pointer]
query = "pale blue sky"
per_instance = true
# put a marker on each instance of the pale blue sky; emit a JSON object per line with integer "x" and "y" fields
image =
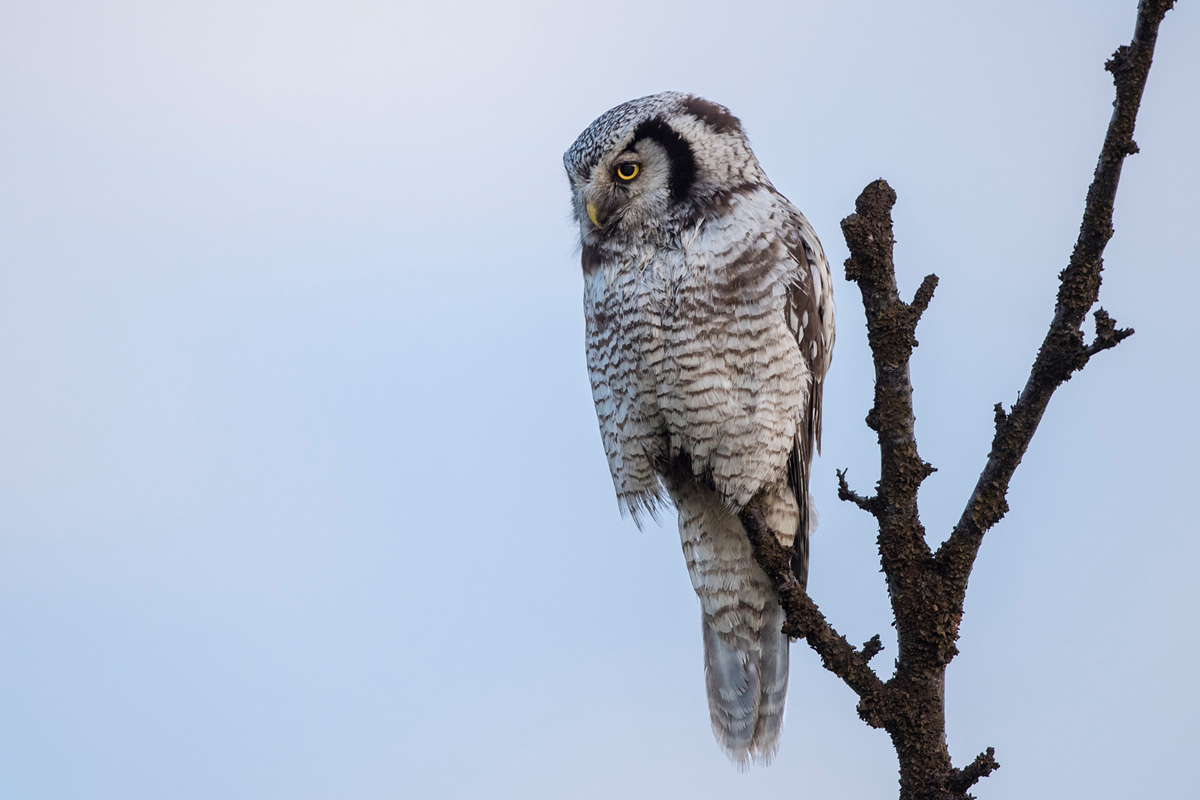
{"x": 301, "y": 491}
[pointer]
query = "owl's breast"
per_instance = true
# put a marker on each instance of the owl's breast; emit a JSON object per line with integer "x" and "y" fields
{"x": 624, "y": 302}
{"x": 732, "y": 380}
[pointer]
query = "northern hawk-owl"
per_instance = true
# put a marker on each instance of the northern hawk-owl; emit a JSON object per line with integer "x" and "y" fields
{"x": 709, "y": 314}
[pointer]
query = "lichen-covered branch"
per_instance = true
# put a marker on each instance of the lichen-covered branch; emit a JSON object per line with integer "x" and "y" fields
{"x": 872, "y": 505}
{"x": 984, "y": 764}
{"x": 912, "y": 708}
{"x": 805, "y": 620}
{"x": 1063, "y": 350}
{"x": 927, "y": 590}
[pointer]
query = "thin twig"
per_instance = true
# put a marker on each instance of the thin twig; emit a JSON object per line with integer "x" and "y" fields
{"x": 984, "y": 764}
{"x": 872, "y": 505}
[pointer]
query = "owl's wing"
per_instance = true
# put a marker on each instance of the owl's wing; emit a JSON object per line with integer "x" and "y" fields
{"x": 809, "y": 316}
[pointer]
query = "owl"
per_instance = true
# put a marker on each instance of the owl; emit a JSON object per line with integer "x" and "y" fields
{"x": 709, "y": 313}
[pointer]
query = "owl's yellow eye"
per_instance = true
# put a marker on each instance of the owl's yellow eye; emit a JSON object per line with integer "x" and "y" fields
{"x": 628, "y": 171}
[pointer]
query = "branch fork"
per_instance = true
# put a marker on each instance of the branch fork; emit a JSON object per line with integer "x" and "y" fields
{"x": 928, "y": 589}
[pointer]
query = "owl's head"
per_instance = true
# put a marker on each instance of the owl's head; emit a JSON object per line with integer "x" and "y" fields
{"x": 656, "y": 161}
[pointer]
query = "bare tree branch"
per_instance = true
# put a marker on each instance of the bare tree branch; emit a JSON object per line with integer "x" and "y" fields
{"x": 912, "y": 708}
{"x": 805, "y": 620}
{"x": 872, "y": 505}
{"x": 927, "y": 590}
{"x": 984, "y": 764}
{"x": 872, "y": 647}
{"x": 1062, "y": 351}
{"x": 1108, "y": 335}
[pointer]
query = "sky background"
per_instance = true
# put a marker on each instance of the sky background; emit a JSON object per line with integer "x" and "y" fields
{"x": 301, "y": 488}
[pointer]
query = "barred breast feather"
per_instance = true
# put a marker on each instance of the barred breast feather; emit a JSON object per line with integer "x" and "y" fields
{"x": 696, "y": 351}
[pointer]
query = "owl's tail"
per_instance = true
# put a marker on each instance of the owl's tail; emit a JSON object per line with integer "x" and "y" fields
{"x": 747, "y": 687}
{"x": 745, "y": 650}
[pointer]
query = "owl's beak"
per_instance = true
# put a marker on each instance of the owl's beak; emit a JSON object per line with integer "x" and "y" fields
{"x": 591, "y": 209}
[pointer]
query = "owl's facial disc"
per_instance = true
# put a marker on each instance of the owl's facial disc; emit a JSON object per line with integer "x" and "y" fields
{"x": 628, "y": 187}
{"x": 624, "y": 172}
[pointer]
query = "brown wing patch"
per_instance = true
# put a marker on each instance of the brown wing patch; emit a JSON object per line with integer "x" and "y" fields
{"x": 805, "y": 318}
